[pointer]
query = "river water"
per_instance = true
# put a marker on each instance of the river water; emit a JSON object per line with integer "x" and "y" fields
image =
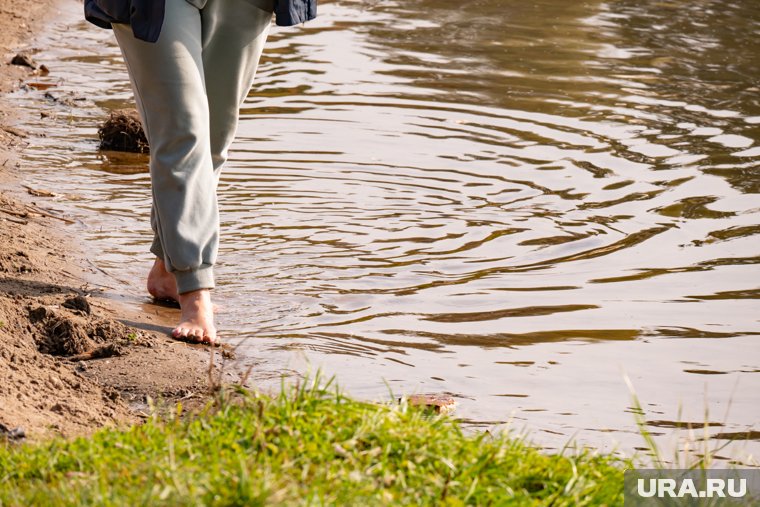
{"x": 517, "y": 203}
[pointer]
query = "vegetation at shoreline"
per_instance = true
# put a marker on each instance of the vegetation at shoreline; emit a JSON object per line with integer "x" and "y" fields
{"x": 310, "y": 445}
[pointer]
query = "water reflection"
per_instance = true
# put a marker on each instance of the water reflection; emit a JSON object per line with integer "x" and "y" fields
{"x": 512, "y": 203}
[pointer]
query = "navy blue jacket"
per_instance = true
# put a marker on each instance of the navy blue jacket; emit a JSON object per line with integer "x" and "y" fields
{"x": 147, "y": 16}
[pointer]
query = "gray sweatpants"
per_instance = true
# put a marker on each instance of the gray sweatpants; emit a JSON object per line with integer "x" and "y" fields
{"x": 189, "y": 86}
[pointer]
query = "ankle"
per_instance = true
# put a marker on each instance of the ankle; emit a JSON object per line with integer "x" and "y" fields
{"x": 196, "y": 296}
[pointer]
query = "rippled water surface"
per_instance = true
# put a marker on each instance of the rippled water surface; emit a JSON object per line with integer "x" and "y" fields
{"x": 518, "y": 203}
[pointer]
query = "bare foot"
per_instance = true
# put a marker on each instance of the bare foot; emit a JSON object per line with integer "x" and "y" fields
{"x": 161, "y": 283}
{"x": 197, "y": 321}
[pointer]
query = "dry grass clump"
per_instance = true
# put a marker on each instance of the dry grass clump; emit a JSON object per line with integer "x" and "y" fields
{"x": 123, "y": 131}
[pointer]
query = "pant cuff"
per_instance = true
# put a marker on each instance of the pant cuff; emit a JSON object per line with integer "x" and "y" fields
{"x": 201, "y": 278}
{"x": 156, "y": 248}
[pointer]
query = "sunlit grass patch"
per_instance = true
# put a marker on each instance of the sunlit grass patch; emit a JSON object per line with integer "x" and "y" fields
{"x": 309, "y": 445}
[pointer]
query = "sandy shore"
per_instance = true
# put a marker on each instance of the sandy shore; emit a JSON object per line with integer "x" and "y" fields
{"x": 69, "y": 361}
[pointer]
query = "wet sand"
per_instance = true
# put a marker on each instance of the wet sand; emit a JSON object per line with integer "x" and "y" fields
{"x": 71, "y": 359}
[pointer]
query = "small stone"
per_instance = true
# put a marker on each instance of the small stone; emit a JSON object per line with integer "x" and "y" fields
{"x": 16, "y": 433}
{"x": 55, "y": 382}
{"x": 12, "y": 434}
{"x": 24, "y": 60}
{"x": 438, "y": 403}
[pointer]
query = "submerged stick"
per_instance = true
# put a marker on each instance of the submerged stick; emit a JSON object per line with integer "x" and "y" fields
{"x": 39, "y": 193}
{"x": 24, "y": 214}
{"x": 49, "y": 215}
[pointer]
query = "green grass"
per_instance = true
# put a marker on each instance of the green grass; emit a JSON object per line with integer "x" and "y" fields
{"x": 307, "y": 446}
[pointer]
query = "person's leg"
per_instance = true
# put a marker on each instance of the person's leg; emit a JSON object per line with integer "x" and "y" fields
{"x": 232, "y": 43}
{"x": 168, "y": 81}
{"x": 234, "y": 34}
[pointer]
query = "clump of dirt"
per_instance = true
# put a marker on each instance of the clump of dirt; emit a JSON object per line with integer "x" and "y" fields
{"x": 123, "y": 131}
{"x": 78, "y": 303}
{"x": 69, "y": 330}
{"x": 63, "y": 335}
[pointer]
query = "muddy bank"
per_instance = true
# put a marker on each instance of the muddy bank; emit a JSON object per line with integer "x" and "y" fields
{"x": 71, "y": 360}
